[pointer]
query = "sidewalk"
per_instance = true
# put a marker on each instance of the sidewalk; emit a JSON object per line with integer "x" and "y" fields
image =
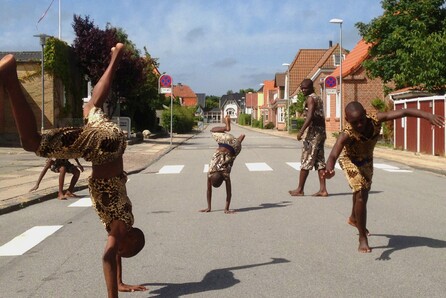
{"x": 19, "y": 169}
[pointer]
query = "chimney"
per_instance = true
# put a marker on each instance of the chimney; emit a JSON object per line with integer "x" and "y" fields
{"x": 330, "y": 44}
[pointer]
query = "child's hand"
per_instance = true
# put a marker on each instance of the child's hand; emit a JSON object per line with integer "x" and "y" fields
{"x": 437, "y": 120}
{"x": 328, "y": 174}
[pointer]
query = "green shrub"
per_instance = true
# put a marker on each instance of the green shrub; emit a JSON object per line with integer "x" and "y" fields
{"x": 182, "y": 119}
{"x": 244, "y": 119}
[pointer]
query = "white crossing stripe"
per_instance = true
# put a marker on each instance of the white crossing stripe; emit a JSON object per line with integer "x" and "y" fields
{"x": 24, "y": 242}
{"x": 390, "y": 168}
{"x": 206, "y": 168}
{"x": 294, "y": 165}
{"x": 84, "y": 202}
{"x": 173, "y": 169}
{"x": 258, "y": 166}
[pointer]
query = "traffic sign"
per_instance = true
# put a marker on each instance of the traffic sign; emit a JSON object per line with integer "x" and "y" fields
{"x": 330, "y": 82}
{"x": 165, "y": 84}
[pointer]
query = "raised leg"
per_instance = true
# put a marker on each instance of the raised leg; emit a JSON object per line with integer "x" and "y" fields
{"x": 21, "y": 110}
{"x": 102, "y": 88}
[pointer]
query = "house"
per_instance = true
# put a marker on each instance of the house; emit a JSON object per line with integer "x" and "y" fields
{"x": 280, "y": 104}
{"x": 184, "y": 93}
{"x": 251, "y": 104}
{"x": 59, "y": 108}
{"x": 232, "y": 104}
{"x": 269, "y": 95}
{"x": 356, "y": 86}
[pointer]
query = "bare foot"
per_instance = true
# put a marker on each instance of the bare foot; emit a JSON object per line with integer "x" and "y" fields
{"x": 230, "y": 211}
{"x": 364, "y": 245}
{"x": 296, "y": 193}
{"x": 61, "y": 197}
{"x": 352, "y": 222}
{"x": 69, "y": 194}
{"x": 8, "y": 67}
{"x": 320, "y": 194}
{"x": 205, "y": 210}
{"x": 131, "y": 288}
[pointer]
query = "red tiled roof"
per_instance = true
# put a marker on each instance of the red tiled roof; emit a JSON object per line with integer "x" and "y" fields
{"x": 301, "y": 66}
{"x": 354, "y": 59}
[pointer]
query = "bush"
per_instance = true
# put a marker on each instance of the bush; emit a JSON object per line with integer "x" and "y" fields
{"x": 182, "y": 119}
{"x": 244, "y": 119}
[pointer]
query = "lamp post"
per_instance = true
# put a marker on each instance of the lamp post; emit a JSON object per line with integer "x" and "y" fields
{"x": 339, "y": 21}
{"x": 287, "y": 93}
{"x": 43, "y": 38}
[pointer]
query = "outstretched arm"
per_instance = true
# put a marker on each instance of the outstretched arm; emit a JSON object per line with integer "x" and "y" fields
{"x": 122, "y": 287}
{"x": 208, "y": 196}
{"x": 48, "y": 164}
{"x": 228, "y": 195}
{"x": 436, "y": 120}
{"x": 334, "y": 154}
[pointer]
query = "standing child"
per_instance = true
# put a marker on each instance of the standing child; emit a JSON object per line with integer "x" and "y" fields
{"x": 103, "y": 143}
{"x": 62, "y": 166}
{"x": 222, "y": 160}
{"x": 357, "y": 142}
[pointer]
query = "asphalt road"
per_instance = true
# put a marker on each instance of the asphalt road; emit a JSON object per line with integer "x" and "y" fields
{"x": 274, "y": 246}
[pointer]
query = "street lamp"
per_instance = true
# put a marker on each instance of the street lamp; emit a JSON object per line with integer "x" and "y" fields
{"x": 43, "y": 38}
{"x": 287, "y": 93}
{"x": 339, "y": 21}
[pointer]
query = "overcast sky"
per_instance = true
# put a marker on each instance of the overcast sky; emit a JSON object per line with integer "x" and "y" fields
{"x": 211, "y": 45}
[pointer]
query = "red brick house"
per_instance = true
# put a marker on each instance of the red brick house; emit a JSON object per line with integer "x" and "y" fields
{"x": 187, "y": 97}
{"x": 356, "y": 86}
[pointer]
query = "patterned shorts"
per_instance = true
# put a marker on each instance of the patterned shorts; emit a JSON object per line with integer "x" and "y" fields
{"x": 110, "y": 200}
{"x": 313, "y": 155}
{"x": 359, "y": 176}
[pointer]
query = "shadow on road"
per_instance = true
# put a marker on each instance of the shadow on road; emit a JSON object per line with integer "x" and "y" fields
{"x": 217, "y": 279}
{"x": 399, "y": 242}
{"x": 265, "y": 206}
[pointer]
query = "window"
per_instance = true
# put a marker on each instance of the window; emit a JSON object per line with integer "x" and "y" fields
{"x": 327, "y": 106}
{"x": 336, "y": 60}
{"x": 281, "y": 114}
{"x": 338, "y": 106}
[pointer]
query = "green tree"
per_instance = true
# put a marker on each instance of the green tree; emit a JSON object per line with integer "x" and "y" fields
{"x": 408, "y": 44}
{"x": 212, "y": 101}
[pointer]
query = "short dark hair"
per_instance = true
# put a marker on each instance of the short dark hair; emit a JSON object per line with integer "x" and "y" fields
{"x": 138, "y": 240}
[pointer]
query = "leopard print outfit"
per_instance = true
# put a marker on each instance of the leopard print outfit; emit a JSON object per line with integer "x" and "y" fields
{"x": 110, "y": 200}
{"x": 357, "y": 156}
{"x": 222, "y": 161}
{"x": 313, "y": 155}
{"x": 99, "y": 141}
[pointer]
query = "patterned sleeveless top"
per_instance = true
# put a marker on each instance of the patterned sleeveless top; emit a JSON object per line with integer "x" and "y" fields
{"x": 319, "y": 115}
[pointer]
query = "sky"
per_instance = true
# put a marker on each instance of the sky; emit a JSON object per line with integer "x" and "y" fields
{"x": 213, "y": 46}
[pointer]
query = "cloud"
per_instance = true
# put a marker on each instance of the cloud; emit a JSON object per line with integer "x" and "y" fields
{"x": 227, "y": 62}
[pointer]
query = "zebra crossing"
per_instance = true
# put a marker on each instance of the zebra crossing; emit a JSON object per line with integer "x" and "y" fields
{"x": 264, "y": 167}
{"x": 30, "y": 238}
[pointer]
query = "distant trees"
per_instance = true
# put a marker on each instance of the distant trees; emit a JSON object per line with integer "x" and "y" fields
{"x": 408, "y": 44}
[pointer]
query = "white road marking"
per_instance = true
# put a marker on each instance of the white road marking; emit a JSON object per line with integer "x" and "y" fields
{"x": 24, "y": 242}
{"x": 258, "y": 166}
{"x": 84, "y": 202}
{"x": 294, "y": 165}
{"x": 206, "y": 168}
{"x": 173, "y": 169}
